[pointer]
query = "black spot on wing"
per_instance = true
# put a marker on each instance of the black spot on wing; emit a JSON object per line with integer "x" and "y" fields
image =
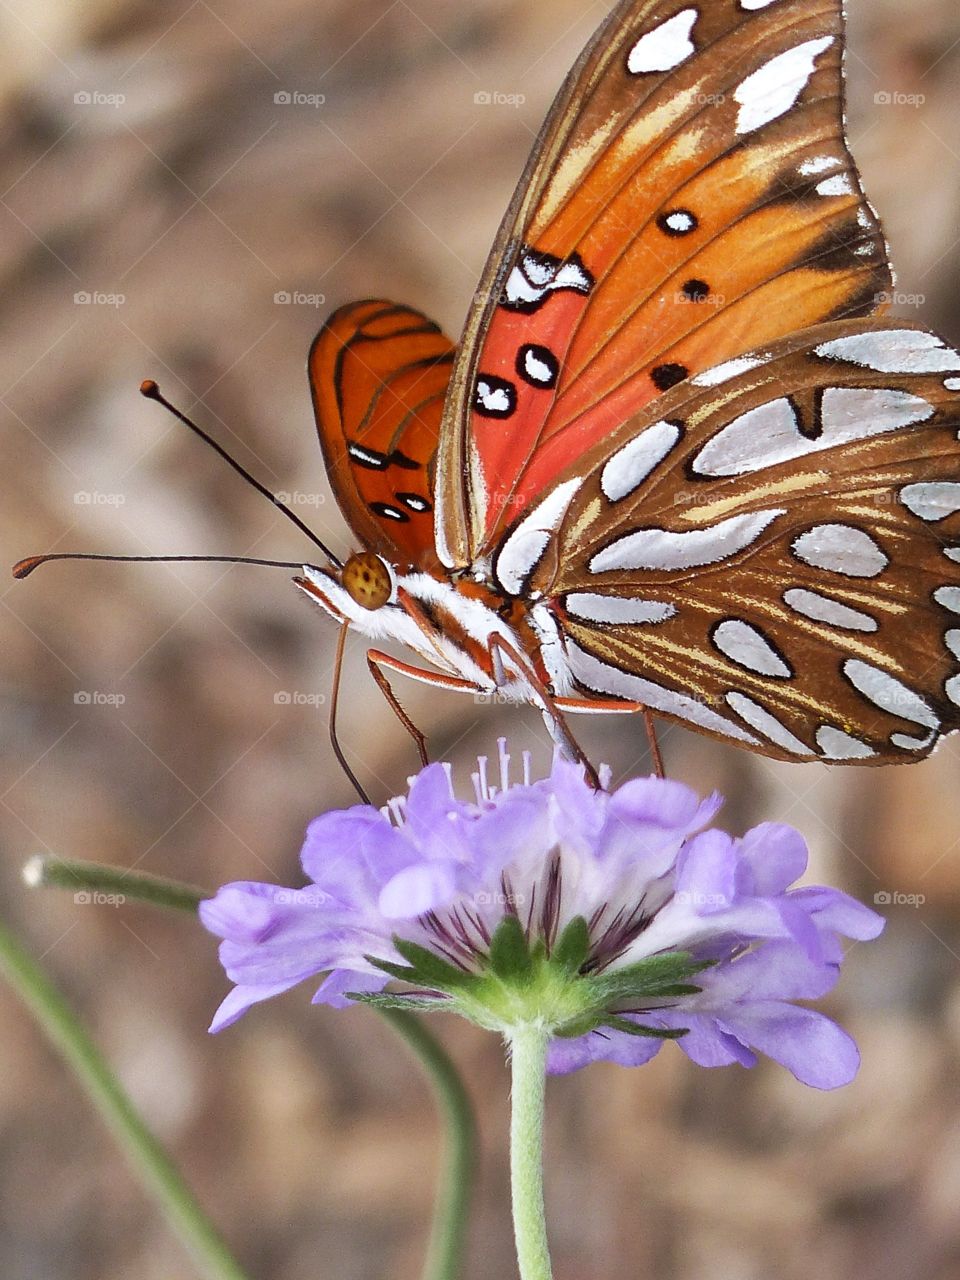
{"x": 665, "y": 376}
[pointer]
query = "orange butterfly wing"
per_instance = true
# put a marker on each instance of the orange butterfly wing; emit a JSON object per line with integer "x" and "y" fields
{"x": 378, "y": 376}
{"x": 692, "y": 197}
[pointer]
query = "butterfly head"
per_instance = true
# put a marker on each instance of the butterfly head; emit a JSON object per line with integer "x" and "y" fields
{"x": 367, "y": 580}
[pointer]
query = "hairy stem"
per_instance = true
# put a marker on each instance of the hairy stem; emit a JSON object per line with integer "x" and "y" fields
{"x": 528, "y": 1060}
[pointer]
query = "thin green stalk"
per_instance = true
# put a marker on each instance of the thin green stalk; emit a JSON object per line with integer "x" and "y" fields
{"x": 93, "y": 879}
{"x": 528, "y": 1060}
{"x": 145, "y": 1154}
{"x": 448, "y": 1236}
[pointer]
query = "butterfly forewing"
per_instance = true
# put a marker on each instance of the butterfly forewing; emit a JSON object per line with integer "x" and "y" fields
{"x": 772, "y": 556}
{"x": 692, "y": 198}
{"x": 379, "y": 375}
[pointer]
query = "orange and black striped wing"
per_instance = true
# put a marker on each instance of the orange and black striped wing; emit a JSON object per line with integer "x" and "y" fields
{"x": 379, "y": 375}
{"x": 691, "y": 197}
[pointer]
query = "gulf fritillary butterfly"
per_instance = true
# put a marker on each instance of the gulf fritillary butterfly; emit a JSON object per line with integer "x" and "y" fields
{"x": 678, "y": 461}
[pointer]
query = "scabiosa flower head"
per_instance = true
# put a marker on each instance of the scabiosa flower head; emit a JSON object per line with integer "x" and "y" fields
{"x": 613, "y": 920}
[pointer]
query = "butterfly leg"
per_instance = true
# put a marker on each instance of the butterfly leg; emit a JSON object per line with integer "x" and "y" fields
{"x": 554, "y": 717}
{"x": 655, "y": 751}
{"x": 583, "y": 706}
{"x": 377, "y": 660}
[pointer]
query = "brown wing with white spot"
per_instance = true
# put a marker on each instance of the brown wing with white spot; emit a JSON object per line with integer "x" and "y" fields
{"x": 691, "y": 197}
{"x": 772, "y": 552}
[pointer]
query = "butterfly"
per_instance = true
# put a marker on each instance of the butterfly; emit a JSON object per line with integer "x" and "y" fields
{"x": 679, "y": 461}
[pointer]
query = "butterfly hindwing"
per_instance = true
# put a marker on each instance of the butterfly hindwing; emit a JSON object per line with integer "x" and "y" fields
{"x": 379, "y": 375}
{"x": 773, "y": 555}
{"x": 692, "y": 197}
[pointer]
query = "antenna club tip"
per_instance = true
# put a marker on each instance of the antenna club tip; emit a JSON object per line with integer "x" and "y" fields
{"x": 149, "y": 389}
{"x": 23, "y": 568}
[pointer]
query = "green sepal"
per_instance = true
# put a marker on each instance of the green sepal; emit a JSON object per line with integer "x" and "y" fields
{"x": 572, "y": 947}
{"x": 427, "y": 969}
{"x": 635, "y": 1029}
{"x": 412, "y": 1004}
{"x": 399, "y": 971}
{"x": 510, "y": 956}
{"x": 658, "y": 976}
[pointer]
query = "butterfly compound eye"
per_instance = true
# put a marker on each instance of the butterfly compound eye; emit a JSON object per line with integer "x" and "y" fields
{"x": 367, "y": 580}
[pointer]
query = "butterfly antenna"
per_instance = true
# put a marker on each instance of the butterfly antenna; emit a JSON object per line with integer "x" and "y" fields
{"x": 151, "y": 391}
{"x": 334, "y": 706}
{"x": 24, "y": 568}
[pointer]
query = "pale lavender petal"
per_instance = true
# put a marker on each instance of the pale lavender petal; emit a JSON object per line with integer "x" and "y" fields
{"x": 604, "y": 1045}
{"x": 772, "y": 857}
{"x": 706, "y": 1043}
{"x": 417, "y": 890}
{"x": 334, "y": 988}
{"x": 839, "y": 913}
{"x": 351, "y": 852}
{"x": 810, "y": 1046}
{"x": 240, "y": 1000}
{"x": 707, "y": 873}
{"x": 243, "y": 910}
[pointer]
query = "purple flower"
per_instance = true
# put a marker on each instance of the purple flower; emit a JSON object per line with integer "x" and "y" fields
{"x": 614, "y": 920}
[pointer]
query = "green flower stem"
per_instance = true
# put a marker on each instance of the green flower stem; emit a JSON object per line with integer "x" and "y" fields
{"x": 528, "y": 1059}
{"x": 448, "y": 1236}
{"x": 145, "y": 1154}
{"x": 44, "y": 871}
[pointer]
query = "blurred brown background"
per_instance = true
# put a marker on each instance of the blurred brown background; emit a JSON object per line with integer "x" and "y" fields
{"x": 172, "y": 718}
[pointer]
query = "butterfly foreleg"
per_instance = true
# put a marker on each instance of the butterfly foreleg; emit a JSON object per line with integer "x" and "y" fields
{"x": 377, "y": 660}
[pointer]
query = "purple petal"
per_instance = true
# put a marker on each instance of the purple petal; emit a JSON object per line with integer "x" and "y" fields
{"x": 707, "y": 873}
{"x": 812, "y": 1048}
{"x": 419, "y": 889}
{"x": 706, "y": 1042}
{"x": 839, "y": 913}
{"x": 772, "y": 856}
{"x": 351, "y": 853}
{"x": 333, "y": 990}
{"x": 243, "y": 911}
{"x": 565, "y": 1056}
{"x": 240, "y": 1000}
